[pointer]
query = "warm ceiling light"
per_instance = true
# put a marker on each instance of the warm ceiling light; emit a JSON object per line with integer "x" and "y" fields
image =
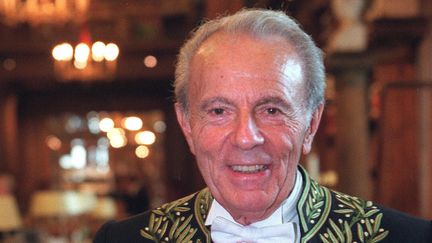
{"x": 82, "y": 52}
{"x": 150, "y": 61}
{"x": 142, "y": 151}
{"x": 132, "y": 123}
{"x": 111, "y": 52}
{"x": 53, "y": 142}
{"x": 62, "y": 52}
{"x": 98, "y": 51}
{"x": 106, "y": 124}
{"x": 118, "y": 141}
{"x": 117, "y": 138}
{"x": 115, "y": 132}
{"x": 80, "y": 65}
{"x": 145, "y": 137}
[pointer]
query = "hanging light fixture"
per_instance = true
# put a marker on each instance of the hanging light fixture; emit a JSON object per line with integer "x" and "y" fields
{"x": 85, "y": 62}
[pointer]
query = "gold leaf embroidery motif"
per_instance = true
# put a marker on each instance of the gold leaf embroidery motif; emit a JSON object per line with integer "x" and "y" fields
{"x": 170, "y": 215}
{"x": 354, "y": 214}
{"x": 172, "y": 222}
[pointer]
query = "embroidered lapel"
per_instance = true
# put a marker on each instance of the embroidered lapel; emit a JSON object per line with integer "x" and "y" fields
{"x": 329, "y": 216}
{"x": 181, "y": 220}
{"x": 313, "y": 207}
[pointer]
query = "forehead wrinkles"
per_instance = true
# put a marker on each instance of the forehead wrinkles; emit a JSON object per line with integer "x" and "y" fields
{"x": 221, "y": 50}
{"x": 223, "y": 44}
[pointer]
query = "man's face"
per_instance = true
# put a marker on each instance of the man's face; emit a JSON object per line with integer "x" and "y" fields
{"x": 247, "y": 123}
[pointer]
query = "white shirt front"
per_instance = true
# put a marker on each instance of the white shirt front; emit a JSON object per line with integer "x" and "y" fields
{"x": 287, "y": 212}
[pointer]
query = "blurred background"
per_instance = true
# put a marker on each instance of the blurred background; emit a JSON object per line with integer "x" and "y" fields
{"x": 87, "y": 127}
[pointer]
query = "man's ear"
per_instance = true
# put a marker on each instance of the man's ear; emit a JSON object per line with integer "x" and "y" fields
{"x": 184, "y": 122}
{"x": 312, "y": 129}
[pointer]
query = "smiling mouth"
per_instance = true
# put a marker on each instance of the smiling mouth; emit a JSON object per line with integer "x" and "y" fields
{"x": 249, "y": 169}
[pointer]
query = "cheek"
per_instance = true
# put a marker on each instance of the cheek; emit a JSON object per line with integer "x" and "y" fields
{"x": 279, "y": 138}
{"x": 212, "y": 145}
{"x": 284, "y": 145}
{"x": 209, "y": 141}
{"x": 286, "y": 151}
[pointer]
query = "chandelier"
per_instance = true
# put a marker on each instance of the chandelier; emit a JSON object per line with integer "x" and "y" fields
{"x": 85, "y": 62}
{"x": 37, "y": 12}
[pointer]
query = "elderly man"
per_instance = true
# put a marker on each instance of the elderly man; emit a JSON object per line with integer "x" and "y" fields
{"x": 249, "y": 91}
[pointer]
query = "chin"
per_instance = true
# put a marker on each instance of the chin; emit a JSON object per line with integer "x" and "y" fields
{"x": 252, "y": 203}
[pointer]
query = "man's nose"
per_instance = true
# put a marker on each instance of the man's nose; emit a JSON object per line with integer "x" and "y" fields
{"x": 247, "y": 134}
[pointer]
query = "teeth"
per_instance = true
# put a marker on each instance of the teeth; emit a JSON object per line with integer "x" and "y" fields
{"x": 249, "y": 168}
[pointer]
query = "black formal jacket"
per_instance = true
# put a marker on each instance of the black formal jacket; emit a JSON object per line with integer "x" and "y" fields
{"x": 325, "y": 216}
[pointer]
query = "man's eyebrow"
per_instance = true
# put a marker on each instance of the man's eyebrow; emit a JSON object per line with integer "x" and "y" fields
{"x": 273, "y": 100}
{"x": 206, "y": 103}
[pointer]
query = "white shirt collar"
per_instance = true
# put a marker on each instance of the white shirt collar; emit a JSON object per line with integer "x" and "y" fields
{"x": 285, "y": 213}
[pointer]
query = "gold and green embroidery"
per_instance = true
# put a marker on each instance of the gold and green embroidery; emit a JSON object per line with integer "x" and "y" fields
{"x": 313, "y": 207}
{"x": 356, "y": 215}
{"x": 202, "y": 207}
{"x": 172, "y": 222}
{"x": 315, "y": 203}
{"x": 329, "y": 216}
{"x": 168, "y": 223}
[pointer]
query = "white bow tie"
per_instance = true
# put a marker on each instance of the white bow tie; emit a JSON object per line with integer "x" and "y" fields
{"x": 225, "y": 231}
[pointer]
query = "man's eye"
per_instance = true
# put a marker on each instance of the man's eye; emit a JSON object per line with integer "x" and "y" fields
{"x": 272, "y": 111}
{"x": 217, "y": 111}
